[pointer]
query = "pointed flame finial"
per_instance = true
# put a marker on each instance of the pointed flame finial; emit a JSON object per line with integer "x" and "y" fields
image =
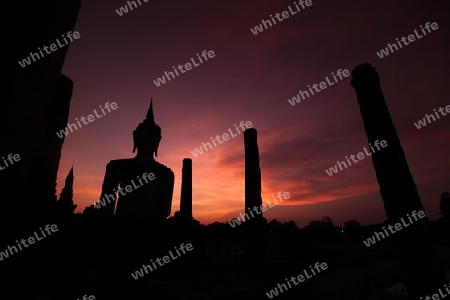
{"x": 150, "y": 115}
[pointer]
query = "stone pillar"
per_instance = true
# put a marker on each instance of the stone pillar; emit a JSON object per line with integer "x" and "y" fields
{"x": 252, "y": 170}
{"x": 186, "y": 189}
{"x": 254, "y": 224}
{"x": 397, "y": 187}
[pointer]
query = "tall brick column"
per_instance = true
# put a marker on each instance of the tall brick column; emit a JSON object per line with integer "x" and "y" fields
{"x": 397, "y": 187}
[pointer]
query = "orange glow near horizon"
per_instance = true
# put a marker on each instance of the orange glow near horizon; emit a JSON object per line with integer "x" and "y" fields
{"x": 251, "y": 79}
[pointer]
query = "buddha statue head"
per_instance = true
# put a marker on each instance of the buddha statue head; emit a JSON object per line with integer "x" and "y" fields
{"x": 147, "y": 135}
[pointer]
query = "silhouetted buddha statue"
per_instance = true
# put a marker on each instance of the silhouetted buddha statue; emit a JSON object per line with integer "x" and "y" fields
{"x": 140, "y": 194}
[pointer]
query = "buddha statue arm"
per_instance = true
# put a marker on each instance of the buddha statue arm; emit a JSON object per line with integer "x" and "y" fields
{"x": 165, "y": 198}
{"x": 108, "y": 196}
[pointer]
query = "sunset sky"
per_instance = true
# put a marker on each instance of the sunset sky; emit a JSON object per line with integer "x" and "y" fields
{"x": 251, "y": 78}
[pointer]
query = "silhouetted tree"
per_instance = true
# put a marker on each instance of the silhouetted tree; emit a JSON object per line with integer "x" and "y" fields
{"x": 291, "y": 226}
{"x": 352, "y": 229}
{"x": 181, "y": 219}
{"x": 327, "y": 219}
{"x": 323, "y": 230}
{"x": 275, "y": 228}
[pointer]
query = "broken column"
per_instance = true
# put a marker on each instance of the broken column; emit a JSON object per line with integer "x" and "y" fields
{"x": 397, "y": 187}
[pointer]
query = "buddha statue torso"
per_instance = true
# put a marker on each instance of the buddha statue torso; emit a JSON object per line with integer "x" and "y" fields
{"x": 138, "y": 196}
